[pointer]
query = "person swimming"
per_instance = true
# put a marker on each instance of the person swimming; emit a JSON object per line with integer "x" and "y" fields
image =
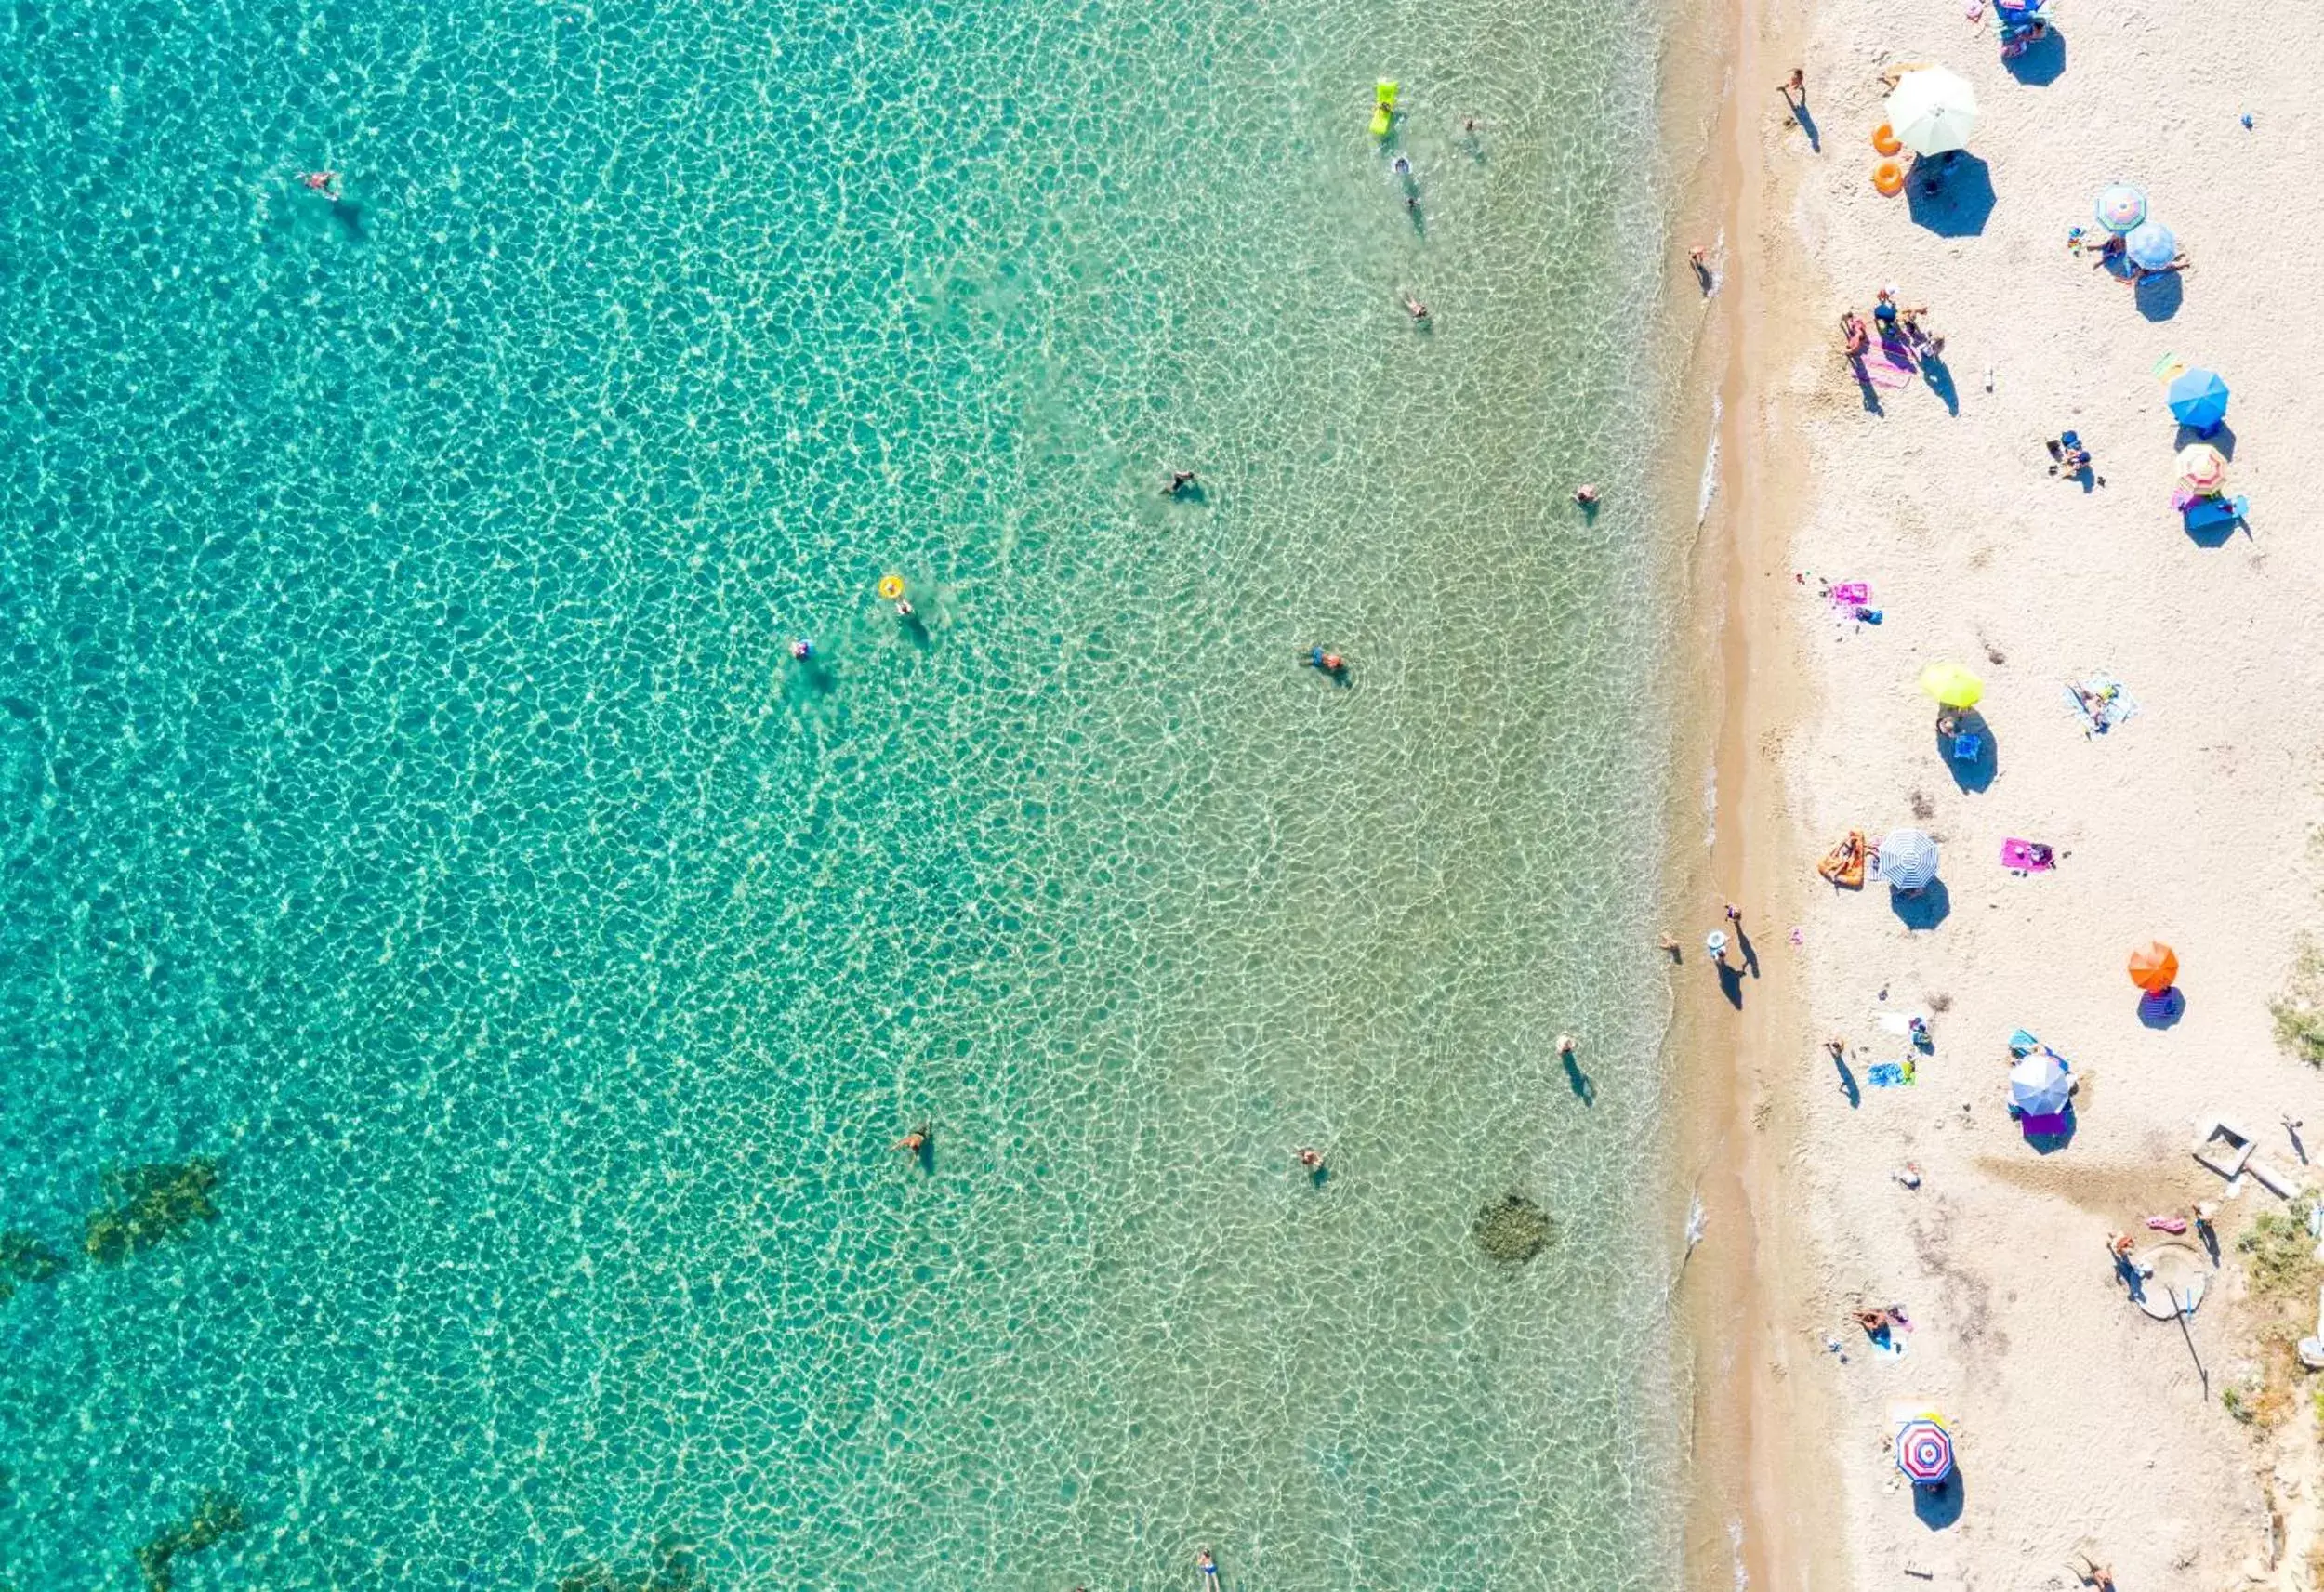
{"x": 1329, "y": 662}
{"x": 905, "y": 610}
{"x": 1401, "y": 165}
{"x": 1414, "y": 308}
{"x": 1179, "y": 481}
{"x": 802, "y": 649}
{"x": 1587, "y": 494}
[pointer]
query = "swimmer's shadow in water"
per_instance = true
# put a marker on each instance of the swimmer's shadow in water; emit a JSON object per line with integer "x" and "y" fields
{"x": 349, "y": 216}
{"x": 1585, "y": 1088}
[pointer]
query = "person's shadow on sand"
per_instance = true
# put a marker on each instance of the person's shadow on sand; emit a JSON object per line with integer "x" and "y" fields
{"x": 1807, "y": 125}
{"x": 1847, "y": 1080}
{"x": 1730, "y": 983}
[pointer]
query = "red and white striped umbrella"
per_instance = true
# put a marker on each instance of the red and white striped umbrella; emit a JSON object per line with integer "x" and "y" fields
{"x": 1925, "y": 1451}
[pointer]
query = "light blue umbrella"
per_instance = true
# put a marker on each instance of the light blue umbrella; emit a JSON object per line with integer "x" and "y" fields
{"x": 2121, "y": 207}
{"x": 2198, "y": 399}
{"x": 2151, "y": 245}
{"x": 2039, "y": 1085}
{"x": 1908, "y": 860}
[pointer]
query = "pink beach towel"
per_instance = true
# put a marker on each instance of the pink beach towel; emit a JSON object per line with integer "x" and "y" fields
{"x": 1888, "y": 363}
{"x": 2019, "y": 854}
{"x": 1849, "y": 594}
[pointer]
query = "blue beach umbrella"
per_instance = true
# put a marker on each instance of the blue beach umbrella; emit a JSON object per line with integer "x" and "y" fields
{"x": 2199, "y": 398}
{"x": 2121, "y": 207}
{"x": 2151, "y": 245}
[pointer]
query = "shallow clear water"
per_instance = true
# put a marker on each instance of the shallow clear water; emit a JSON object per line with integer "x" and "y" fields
{"x": 405, "y": 796}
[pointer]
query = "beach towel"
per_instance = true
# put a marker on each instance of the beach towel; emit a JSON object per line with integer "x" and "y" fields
{"x": 1892, "y": 1074}
{"x": 2043, "y": 1127}
{"x": 2114, "y": 705}
{"x": 2205, "y": 512}
{"x": 1888, "y": 364}
{"x": 1887, "y": 1345}
{"x": 2019, "y": 855}
{"x": 1847, "y": 594}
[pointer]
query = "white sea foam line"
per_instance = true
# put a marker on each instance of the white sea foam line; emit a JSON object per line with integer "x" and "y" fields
{"x": 1710, "y": 485}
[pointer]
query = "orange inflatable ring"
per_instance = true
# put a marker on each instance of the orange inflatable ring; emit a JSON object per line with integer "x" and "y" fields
{"x": 1884, "y": 140}
{"x": 1889, "y": 177}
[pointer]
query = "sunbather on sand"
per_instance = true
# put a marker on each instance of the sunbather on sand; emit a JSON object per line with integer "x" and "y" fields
{"x": 1856, "y": 337}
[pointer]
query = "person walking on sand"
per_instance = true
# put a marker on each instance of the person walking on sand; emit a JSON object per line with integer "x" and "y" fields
{"x": 1669, "y": 944}
{"x": 1716, "y": 943}
{"x": 1794, "y": 89}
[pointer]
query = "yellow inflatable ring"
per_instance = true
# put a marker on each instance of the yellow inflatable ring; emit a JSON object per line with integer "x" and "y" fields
{"x": 890, "y": 587}
{"x": 1884, "y": 139}
{"x": 1889, "y": 177}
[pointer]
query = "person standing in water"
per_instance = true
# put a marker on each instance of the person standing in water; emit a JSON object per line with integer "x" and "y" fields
{"x": 1209, "y": 1568}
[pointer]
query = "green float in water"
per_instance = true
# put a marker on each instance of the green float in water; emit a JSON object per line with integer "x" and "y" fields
{"x": 1383, "y": 107}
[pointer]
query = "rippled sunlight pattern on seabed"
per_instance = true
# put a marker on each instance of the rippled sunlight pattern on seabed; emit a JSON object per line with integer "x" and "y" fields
{"x": 407, "y": 801}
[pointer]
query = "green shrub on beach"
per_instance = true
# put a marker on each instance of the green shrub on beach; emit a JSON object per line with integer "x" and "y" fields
{"x": 2299, "y": 1011}
{"x": 2280, "y": 1256}
{"x": 216, "y": 1518}
{"x": 146, "y": 1204}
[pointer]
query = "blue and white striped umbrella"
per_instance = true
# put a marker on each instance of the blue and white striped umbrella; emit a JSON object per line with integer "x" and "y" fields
{"x": 2151, "y": 245}
{"x": 1908, "y": 860}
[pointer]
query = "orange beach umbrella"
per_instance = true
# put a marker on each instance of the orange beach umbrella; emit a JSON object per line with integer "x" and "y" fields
{"x": 2154, "y": 966}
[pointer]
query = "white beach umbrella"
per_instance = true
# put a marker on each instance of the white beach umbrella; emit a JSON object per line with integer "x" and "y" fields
{"x": 1908, "y": 860}
{"x": 1933, "y": 111}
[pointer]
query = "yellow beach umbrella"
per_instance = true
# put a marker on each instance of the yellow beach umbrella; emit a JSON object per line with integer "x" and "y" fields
{"x": 1952, "y": 685}
{"x": 2202, "y": 467}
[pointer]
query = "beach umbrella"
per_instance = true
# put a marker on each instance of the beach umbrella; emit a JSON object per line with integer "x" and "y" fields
{"x": 2198, "y": 399}
{"x": 2202, "y": 467}
{"x": 2154, "y": 966}
{"x": 1933, "y": 111}
{"x": 2151, "y": 245}
{"x": 1908, "y": 860}
{"x": 1952, "y": 685}
{"x": 2039, "y": 1085}
{"x": 2121, "y": 207}
{"x": 1925, "y": 1451}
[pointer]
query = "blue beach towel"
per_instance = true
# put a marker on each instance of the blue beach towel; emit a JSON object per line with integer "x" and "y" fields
{"x": 2114, "y": 703}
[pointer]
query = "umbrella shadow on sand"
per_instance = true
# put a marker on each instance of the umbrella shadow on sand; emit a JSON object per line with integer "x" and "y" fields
{"x": 1952, "y": 195}
{"x": 1922, "y": 908}
{"x": 2041, "y": 62}
{"x": 2159, "y": 294}
{"x": 1972, "y": 773}
{"x": 2161, "y": 1008}
{"x": 2222, "y": 436}
{"x": 1940, "y": 1507}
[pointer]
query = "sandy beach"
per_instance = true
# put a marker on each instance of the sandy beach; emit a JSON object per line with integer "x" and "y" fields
{"x": 2082, "y": 1425}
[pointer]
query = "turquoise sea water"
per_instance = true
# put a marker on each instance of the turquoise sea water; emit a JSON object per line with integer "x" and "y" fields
{"x": 405, "y": 796}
